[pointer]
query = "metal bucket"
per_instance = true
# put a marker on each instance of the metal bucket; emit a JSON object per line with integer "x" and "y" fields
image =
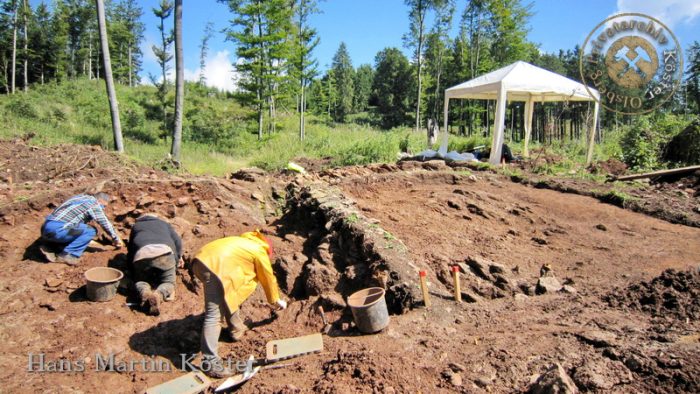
{"x": 369, "y": 310}
{"x": 102, "y": 283}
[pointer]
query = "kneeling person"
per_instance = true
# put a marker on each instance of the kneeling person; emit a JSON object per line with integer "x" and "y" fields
{"x": 154, "y": 251}
{"x": 230, "y": 269}
{"x": 67, "y": 226}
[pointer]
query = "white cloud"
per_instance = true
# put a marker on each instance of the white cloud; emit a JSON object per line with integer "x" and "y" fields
{"x": 218, "y": 71}
{"x": 670, "y": 12}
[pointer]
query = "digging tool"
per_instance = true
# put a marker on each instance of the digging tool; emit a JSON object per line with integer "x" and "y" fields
{"x": 326, "y": 325}
{"x": 239, "y": 379}
{"x": 424, "y": 288}
{"x": 193, "y": 382}
{"x": 292, "y": 347}
{"x": 455, "y": 276}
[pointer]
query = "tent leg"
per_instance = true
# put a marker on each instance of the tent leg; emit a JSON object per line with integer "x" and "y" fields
{"x": 443, "y": 145}
{"x": 591, "y": 141}
{"x": 497, "y": 144}
{"x": 529, "y": 107}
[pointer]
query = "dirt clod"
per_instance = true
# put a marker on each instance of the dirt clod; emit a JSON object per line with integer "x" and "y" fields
{"x": 673, "y": 293}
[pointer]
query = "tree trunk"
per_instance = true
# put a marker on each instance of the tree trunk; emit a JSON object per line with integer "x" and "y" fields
{"x": 131, "y": 82}
{"x": 302, "y": 108}
{"x": 109, "y": 83}
{"x": 179, "y": 82}
{"x": 90, "y": 56}
{"x": 14, "y": 48}
{"x": 26, "y": 51}
{"x": 420, "y": 69}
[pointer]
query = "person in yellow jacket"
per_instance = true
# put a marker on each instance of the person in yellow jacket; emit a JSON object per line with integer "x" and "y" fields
{"x": 230, "y": 269}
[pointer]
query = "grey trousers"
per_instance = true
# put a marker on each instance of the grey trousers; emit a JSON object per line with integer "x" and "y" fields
{"x": 159, "y": 272}
{"x": 214, "y": 307}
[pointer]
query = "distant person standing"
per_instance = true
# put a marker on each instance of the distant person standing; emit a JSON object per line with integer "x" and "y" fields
{"x": 154, "y": 251}
{"x": 67, "y": 227}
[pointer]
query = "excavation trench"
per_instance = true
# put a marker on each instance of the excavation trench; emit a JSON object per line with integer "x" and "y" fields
{"x": 344, "y": 251}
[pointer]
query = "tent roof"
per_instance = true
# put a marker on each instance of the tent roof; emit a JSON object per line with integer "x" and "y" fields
{"x": 523, "y": 80}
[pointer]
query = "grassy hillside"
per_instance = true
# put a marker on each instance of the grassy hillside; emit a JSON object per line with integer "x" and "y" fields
{"x": 218, "y": 134}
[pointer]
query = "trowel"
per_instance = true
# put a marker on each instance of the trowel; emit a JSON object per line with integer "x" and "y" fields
{"x": 239, "y": 379}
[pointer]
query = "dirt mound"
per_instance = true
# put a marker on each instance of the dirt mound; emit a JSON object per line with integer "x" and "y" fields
{"x": 610, "y": 166}
{"x": 58, "y": 162}
{"x": 673, "y": 293}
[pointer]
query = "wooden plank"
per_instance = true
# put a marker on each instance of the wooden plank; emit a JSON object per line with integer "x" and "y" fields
{"x": 657, "y": 173}
{"x": 287, "y": 348}
{"x": 193, "y": 382}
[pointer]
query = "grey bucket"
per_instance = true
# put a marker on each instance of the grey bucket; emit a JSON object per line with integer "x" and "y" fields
{"x": 369, "y": 310}
{"x": 102, "y": 283}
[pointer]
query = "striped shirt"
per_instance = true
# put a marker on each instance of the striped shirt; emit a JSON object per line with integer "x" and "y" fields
{"x": 81, "y": 209}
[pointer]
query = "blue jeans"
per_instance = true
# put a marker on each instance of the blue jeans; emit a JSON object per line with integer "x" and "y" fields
{"x": 75, "y": 238}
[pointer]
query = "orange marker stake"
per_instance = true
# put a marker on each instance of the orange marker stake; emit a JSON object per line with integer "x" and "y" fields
{"x": 455, "y": 276}
{"x": 424, "y": 288}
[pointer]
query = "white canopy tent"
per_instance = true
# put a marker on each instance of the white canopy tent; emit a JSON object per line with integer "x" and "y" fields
{"x": 524, "y": 82}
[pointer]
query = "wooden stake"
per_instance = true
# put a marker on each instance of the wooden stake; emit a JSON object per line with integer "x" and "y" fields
{"x": 424, "y": 288}
{"x": 455, "y": 276}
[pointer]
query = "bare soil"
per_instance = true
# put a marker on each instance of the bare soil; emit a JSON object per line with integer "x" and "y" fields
{"x": 598, "y": 328}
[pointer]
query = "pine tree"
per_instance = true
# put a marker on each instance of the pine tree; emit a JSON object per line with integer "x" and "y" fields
{"x": 392, "y": 87}
{"x": 343, "y": 74}
{"x": 179, "y": 85}
{"x": 163, "y": 56}
{"x": 304, "y": 68}
{"x": 415, "y": 39}
{"x": 260, "y": 30}
{"x": 203, "y": 51}
{"x": 364, "y": 76}
{"x": 692, "y": 80}
{"x": 40, "y": 41}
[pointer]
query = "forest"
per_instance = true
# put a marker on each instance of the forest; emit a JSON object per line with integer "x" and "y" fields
{"x": 58, "y": 43}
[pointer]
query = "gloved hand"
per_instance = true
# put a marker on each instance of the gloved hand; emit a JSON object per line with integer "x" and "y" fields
{"x": 282, "y": 304}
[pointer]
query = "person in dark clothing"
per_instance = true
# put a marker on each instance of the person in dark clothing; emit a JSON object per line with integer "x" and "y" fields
{"x": 154, "y": 251}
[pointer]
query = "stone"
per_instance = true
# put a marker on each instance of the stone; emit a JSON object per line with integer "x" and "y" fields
{"x": 568, "y": 289}
{"x": 521, "y": 297}
{"x": 601, "y": 227}
{"x": 540, "y": 241}
{"x": 53, "y": 282}
{"x": 483, "y": 382}
{"x": 202, "y": 207}
{"x": 547, "y": 284}
{"x": 597, "y": 338}
{"x": 332, "y": 301}
{"x": 480, "y": 267}
{"x": 496, "y": 268}
{"x": 356, "y": 271}
{"x": 456, "y": 379}
{"x": 554, "y": 381}
{"x": 601, "y": 376}
{"x": 182, "y": 201}
{"x": 319, "y": 278}
{"x": 145, "y": 201}
{"x": 457, "y": 367}
{"x": 170, "y": 211}
{"x": 257, "y": 197}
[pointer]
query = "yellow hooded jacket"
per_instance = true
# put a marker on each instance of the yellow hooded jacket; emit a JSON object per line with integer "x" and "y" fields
{"x": 240, "y": 263}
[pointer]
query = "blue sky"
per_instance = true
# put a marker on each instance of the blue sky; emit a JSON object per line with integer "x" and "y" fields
{"x": 368, "y": 26}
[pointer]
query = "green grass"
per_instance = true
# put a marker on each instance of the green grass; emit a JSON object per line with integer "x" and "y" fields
{"x": 218, "y": 134}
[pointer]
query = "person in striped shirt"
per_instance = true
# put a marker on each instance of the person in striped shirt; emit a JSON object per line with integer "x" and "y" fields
{"x": 67, "y": 227}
